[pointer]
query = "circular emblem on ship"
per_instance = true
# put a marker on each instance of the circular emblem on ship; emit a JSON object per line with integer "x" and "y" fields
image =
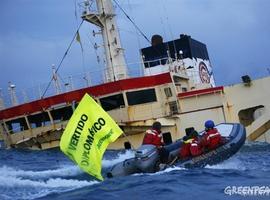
{"x": 204, "y": 73}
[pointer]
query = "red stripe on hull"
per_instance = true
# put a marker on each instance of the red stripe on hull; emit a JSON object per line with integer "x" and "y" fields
{"x": 200, "y": 92}
{"x": 99, "y": 90}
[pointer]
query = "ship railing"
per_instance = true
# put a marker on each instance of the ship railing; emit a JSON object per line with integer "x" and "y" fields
{"x": 73, "y": 82}
{"x": 62, "y": 85}
{"x": 87, "y": 6}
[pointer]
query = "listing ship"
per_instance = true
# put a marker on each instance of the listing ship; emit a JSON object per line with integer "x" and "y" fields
{"x": 177, "y": 88}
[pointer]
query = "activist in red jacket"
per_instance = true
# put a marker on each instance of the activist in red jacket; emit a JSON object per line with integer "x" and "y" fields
{"x": 185, "y": 149}
{"x": 211, "y": 138}
{"x": 190, "y": 147}
{"x": 195, "y": 148}
{"x": 154, "y": 136}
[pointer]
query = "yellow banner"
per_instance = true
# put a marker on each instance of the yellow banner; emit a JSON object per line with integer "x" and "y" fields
{"x": 87, "y": 135}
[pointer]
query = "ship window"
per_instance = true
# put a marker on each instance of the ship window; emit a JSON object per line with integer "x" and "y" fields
{"x": 156, "y": 62}
{"x": 61, "y": 114}
{"x": 168, "y": 92}
{"x": 178, "y": 87}
{"x": 173, "y": 107}
{"x": 112, "y": 102}
{"x": 142, "y": 96}
{"x": 184, "y": 89}
{"x": 38, "y": 120}
{"x": 17, "y": 125}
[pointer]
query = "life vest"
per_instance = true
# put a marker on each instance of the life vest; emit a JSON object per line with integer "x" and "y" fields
{"x": 185, "y": 149}
{"x": 212, "y": 139}
{"x": 195, "y": 148}
{"x": 153, "y": 137}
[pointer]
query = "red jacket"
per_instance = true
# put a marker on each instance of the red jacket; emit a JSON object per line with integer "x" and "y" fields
{"x": 190, "y": 148}
{"x": 153, "y": 137}
{"x": 195, "y": 148}
{"x": 211, "y": 139}
{"x": 185, "y": 149}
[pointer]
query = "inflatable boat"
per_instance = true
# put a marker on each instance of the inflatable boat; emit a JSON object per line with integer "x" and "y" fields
{"x": 147, "y": 158}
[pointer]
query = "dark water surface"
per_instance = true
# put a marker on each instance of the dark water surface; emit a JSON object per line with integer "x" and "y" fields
{"x": 49, "y": 174}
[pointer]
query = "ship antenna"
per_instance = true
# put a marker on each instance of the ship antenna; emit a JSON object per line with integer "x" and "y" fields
{"x": 134, "y": 24}
{"x": 140, "y": 31}
{"x": 170, "y": 28}
{"x": 64, "y": 56}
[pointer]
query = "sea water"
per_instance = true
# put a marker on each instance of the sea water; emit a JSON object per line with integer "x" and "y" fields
{"x": 49, "y": 174}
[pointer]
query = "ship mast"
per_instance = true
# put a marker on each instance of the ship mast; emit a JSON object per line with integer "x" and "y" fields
{"x": 104, "y": 18}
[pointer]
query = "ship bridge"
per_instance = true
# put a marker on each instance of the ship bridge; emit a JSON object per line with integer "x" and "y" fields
{"x": 186, "y": 57}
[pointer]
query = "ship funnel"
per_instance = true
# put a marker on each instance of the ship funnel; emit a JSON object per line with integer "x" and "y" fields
{"x": 156, "y": 40}
{"x": 184, "y": 35}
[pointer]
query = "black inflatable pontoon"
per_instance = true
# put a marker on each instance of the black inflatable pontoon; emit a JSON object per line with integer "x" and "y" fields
{"x": 147, "y": 157}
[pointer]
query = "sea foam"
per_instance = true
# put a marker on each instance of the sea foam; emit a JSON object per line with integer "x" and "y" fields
{"x": 120, "y": 157}
{"x": 23, "y": 184}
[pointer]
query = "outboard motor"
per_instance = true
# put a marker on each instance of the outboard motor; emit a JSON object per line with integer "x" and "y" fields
{"x": 146, "y": 158}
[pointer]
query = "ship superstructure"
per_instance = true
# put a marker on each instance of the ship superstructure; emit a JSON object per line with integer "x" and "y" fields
{"x": 102, "y": 15}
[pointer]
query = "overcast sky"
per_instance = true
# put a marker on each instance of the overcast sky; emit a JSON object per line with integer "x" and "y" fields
{"x": 34, "y": 35}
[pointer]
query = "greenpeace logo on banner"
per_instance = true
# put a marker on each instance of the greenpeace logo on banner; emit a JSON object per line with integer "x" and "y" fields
{"x": 107, "y": 136}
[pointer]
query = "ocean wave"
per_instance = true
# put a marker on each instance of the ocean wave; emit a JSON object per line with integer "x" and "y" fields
{"x": 62, "y": 172}
{"x": 19, "y": 188}
{"x": 167, "y": 170}
{"x": 255, "y": 147}
{"x": 256, "y": 143}
{"x": 233, "y": 163}
{"x": 50, "y": 183}
{"x": 23, "y": 184}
